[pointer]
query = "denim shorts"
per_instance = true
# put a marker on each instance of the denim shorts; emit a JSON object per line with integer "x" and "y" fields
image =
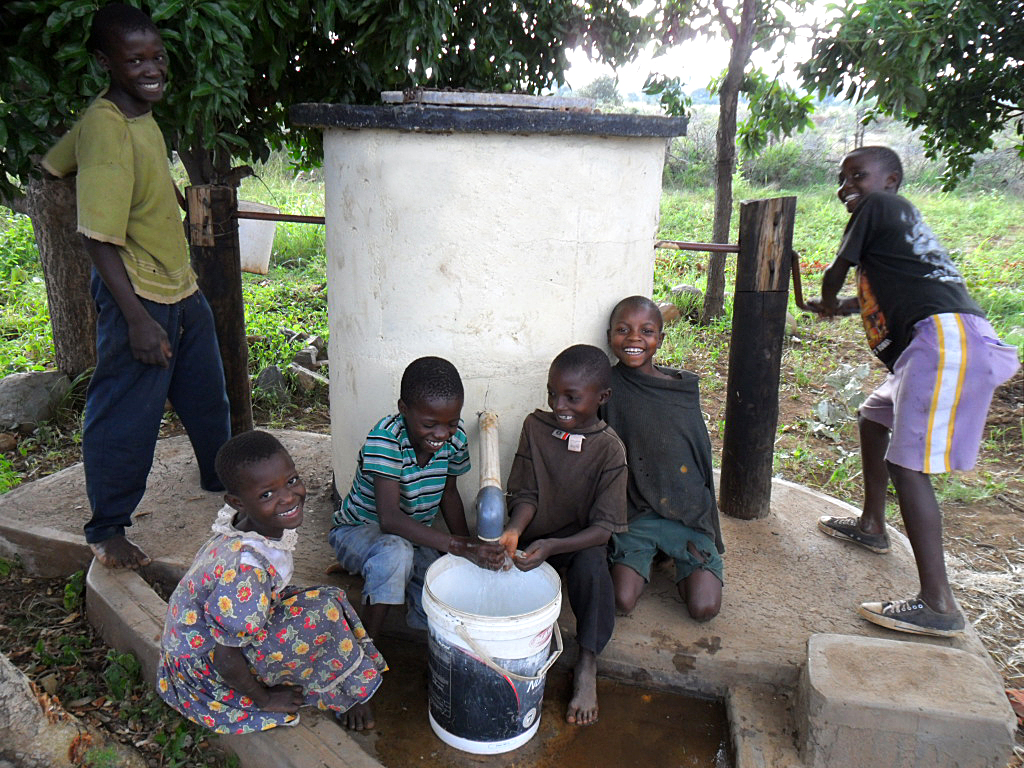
{"x": 392, "y": 568}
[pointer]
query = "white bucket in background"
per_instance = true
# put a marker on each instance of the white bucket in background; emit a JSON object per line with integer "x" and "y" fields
{"x": 490, "y": 648}
{"x": 256, "y": 238}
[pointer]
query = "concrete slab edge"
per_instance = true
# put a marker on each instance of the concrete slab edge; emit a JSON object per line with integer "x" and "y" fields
{"x": 129, "y": 616}
{"x": 46, "y": 552}
{"x": 761, "y": 727}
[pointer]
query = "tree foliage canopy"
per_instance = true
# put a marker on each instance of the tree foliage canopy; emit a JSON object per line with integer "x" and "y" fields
{"x": 236, "y": 65}
{"x": 954, "y": 68}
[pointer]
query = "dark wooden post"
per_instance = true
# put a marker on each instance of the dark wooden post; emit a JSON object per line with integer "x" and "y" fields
{"x": 213, "y": 234}
{"x": 755, "y": 356}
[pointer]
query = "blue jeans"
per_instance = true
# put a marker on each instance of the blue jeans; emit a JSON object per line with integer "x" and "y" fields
{"x": 125, "y": 404}
{"x": 392, "y": 568}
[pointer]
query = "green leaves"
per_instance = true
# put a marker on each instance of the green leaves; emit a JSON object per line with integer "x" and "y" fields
{"x": 776, "y": 110}
{"x": 955, "y": 70}
{"x": 236, "y": 65}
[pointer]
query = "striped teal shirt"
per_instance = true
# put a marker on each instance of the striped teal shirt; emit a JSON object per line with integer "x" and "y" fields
{"x": 387, "y": 452}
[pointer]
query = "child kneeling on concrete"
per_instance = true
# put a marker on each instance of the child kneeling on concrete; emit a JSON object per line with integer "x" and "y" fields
{"x": 567, "y": 495}
{"x": 671, "y": 498}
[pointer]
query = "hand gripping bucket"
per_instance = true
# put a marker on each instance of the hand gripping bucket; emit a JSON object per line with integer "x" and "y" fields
{"x": 490, "y": 648}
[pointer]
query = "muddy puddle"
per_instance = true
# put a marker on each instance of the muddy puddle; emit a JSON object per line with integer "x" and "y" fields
{"x": 638, "y": 726}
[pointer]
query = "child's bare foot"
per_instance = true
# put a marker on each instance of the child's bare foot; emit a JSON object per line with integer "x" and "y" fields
{"x": 359, "y": 718}
{"x": 583, "y": 706}
{"x": 118, "y": 552}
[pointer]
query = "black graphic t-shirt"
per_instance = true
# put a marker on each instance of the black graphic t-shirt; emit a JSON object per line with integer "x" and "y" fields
{"x": 903, "y": 273}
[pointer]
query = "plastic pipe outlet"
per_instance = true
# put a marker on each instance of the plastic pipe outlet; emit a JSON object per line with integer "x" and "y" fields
{"x": 490, "y": 500}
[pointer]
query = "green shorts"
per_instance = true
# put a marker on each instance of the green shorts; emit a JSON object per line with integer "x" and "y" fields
{"x": 649, "y": 532}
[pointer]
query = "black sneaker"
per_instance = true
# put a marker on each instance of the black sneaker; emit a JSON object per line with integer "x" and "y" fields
{"x": 913, "y": 616}
{"x": 845, "y": 528}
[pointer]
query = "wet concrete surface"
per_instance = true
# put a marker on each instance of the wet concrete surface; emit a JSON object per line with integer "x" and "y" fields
{"x": 637, "y": 726}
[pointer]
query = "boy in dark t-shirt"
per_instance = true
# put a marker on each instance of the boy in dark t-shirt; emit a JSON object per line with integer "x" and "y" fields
{"x": 945, "y": 361}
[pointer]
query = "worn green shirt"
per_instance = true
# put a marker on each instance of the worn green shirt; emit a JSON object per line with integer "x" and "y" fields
{"x": 126, "y": 197}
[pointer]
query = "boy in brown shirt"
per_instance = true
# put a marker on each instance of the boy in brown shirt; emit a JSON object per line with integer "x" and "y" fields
{"x": 567, "y": 495}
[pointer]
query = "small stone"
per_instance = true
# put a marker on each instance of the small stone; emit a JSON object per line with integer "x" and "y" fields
{"x": 687, "y": 290}
{"x": 271, "y": 379}
{"x": 306, "y": 357}
{"x": 791, "y": 326}
{"x": 306, "y": 379}
{"x": 27, "y": 399}
{"x": 319, "y": 343}
{"x": 669, "y": 312}
{"x": 8, "y": 442}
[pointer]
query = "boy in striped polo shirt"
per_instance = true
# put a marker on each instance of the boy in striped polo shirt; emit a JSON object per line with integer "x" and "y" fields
{"x": 406, "y": 472}
{"x": 945, "y": 361}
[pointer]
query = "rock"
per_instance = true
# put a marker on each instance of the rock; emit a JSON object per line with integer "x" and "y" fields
{"x": 687, "y": 290}
{"x": 27, "y": 399}
{"x": 669, "y": 312}
{"x": 8, "y": 442}
{"x": 270, "y": 379}
{"x": 791, "y": 326}
{"x": 307, "y": 379}
{"x": 319, "y": 343}
{"x": 306, "y": 357}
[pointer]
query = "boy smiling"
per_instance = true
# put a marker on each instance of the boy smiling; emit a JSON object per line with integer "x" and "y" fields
{"x": 155, "y": 337}
{"x": 671, "y": 498}
{"x": 567, "y": 495}
{"x": 944, "y": 362}
{"x": 407, "y": 472}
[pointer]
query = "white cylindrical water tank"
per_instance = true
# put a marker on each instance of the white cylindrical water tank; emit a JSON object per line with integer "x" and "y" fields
{"x": 494, "y": 238}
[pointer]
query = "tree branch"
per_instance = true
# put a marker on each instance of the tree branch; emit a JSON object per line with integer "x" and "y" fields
{"x": 727, "y": 22}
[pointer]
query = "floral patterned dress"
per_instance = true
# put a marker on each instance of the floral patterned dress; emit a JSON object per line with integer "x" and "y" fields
{"x": 235, "y": 594}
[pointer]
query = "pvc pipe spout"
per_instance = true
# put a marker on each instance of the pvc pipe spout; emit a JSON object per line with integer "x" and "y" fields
{"x": 490, "y": 500}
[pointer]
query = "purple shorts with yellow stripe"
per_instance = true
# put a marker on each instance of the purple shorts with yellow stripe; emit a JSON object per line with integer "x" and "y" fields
{"x": 937, "y": 397}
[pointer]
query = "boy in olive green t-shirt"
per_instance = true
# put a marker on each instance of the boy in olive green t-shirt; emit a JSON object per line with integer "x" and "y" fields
{"x": 155, "y": 337}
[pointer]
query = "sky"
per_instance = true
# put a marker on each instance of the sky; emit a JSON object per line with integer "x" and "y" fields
{"x": 695, "y": 62}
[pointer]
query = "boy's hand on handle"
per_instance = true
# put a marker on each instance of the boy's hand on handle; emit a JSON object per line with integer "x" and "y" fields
{"x": 281, "y": 698}
{"x": 834, "y": 306}
{"x": 534, "y": 555}
{"x": 149, "y": 342}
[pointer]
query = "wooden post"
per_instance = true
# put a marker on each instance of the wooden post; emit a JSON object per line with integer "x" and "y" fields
{"x": 213, "y": 234}
{"x": 755, "y": 356}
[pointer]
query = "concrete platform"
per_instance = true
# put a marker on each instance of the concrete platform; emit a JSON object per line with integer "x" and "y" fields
{"x": 785, "y": 582}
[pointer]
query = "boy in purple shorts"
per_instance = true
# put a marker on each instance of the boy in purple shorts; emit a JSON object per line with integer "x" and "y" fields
{"x": 944, "y": 361}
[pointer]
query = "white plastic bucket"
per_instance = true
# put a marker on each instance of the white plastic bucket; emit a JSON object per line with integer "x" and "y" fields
{"x": 256, "y": 238}
{"x": 490, "y": 648}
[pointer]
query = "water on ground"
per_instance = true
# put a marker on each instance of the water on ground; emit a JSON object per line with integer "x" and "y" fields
{"x": 638, "y": 726}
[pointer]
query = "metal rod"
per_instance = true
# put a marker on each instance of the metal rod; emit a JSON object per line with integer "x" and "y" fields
{"x": 679, "y": 245}
{"x": 282, "y": 217}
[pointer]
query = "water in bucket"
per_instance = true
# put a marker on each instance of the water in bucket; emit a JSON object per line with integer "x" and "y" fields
{"x": 490, "y": 647}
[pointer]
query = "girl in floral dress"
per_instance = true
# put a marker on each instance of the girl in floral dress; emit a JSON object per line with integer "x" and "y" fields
{"x": 242, "y": 651}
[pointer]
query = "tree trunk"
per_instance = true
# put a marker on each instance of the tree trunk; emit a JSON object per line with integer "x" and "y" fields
{"x": 213, "y": 236}
{"x": 66, "y": 270}
{"x": 35, "y": 732}
{"x": 725, "y": 154}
